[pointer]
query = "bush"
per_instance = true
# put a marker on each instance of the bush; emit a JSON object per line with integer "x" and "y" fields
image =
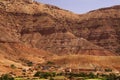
{"x": 43, "y": 74}
{"x": 49, "y": 63}
{"x": 37, "y": 74}
{"x": 6, "y": 77}
{"x": 12, "y": 66}
{"x": 30, "y": 63}
{"x": 108, "y": 70}
{"x": 82, "y": 74}
{"x": 111, "y": 77}
{"x": 91, "y": 75}
{"x": 51, "y": 78}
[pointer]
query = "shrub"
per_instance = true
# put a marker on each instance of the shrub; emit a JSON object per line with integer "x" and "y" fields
{"x": 108, "y": 70}
{"x": 111, "y": 77}
{"x": 30, "y": 63}
{"x": 12, "y": 66}
{"x": 49, "y": 63}
{"x": 51, "y": 78}
{"x": 6, "y": 77}
{"x": 91, "y": 75}
{"x": 43, "y": 74}
{"x": 82, "y": 74}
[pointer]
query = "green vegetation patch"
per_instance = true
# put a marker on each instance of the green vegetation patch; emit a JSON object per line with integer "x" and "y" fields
{"x": 59, "y": 77}
{"x": 93, "y": 79}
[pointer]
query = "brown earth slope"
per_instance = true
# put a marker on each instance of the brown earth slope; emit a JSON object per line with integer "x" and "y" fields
{"x": 20, "y": 56}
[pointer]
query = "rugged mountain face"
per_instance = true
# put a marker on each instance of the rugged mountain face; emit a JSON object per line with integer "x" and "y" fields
{"x": 102, "y": 27}
{"x": 56, "y": 30}
{"x": 67, "y": 43}
{"x": 35, "y": 32}
{"x": 23, "y": 24}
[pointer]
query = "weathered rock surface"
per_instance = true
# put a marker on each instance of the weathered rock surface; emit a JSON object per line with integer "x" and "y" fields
{"x": 68, "y": 43}
{"x": 56, "y": 30}
{"x": 101, "y": 27}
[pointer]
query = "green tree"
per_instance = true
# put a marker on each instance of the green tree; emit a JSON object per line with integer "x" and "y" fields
{"x": 82, "y": 74}
{"x": 91, "y": 75}
{"x": 6, "y": 77}
{"x": 111, "y": 77}
{"x": 43, "y": 74}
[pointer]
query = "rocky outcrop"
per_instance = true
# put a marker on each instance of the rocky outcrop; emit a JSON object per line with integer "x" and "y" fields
{"x": 68, "y": 43}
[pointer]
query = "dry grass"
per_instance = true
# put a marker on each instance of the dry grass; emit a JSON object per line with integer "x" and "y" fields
{"x": 88, "y": 61}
